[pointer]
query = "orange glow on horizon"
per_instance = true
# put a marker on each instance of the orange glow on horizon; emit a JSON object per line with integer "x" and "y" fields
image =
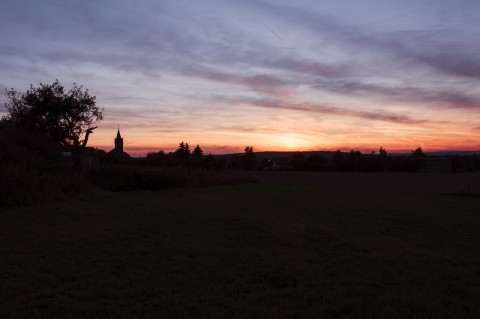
{"x": 290, "y": 145}
{"x": 288, "y": 130}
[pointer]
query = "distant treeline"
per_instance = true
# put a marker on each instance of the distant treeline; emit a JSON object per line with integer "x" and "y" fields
{"x": 353, "y": 161}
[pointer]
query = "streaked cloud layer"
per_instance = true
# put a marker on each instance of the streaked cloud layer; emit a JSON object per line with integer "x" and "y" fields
{"x": 273, "y": 74}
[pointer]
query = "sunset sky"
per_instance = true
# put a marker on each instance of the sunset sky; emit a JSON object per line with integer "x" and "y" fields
{"x": 278, "y": 75}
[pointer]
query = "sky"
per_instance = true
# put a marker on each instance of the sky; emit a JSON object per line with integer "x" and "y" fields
{"x": 277, "y": 75}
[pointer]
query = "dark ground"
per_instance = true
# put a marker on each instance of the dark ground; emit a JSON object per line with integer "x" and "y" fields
{"x": 378, "y": 182}
{"x": 298, "y": 245}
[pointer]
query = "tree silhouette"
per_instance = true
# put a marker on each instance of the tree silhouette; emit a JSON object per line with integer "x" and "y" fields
{"x": 197, "y": 158}
{"x": 66, "y": 116}
{"x": 183, "y": 151}
{"x": 337, "y": 160}
{"x": 383, "y": 160}
{"x": 197, "y": 151}
{"x": 418, "y": 153}
{"x": 353, "y": 161}
{"x": 383, "y": 152}
{"x": 250, "y": 160}
{"x": 418, "y": 158}
{"x": 156, "y": 158}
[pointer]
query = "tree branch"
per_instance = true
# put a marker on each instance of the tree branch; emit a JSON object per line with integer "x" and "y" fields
{"x": 87, "y": 134}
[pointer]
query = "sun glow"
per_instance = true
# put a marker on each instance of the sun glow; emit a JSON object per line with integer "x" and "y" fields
{"x": 292, "y": 142}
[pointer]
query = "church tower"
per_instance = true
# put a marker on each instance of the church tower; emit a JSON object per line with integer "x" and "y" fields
{"x": 117, "y": 155}
{"x": 119, "y": 142}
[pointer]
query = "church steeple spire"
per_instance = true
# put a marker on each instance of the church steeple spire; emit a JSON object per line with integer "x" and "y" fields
{"x": 119, "y": 141}
{"x": 117, "y": 154}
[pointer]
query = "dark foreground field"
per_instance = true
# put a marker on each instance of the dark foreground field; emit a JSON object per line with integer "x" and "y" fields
{"x": 264, "y": 250}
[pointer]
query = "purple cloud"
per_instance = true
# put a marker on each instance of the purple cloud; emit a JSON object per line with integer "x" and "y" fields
{"x": 378, "y": 115}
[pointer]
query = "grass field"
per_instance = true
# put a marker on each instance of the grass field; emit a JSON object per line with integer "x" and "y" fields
{"x": 261, "y": 250}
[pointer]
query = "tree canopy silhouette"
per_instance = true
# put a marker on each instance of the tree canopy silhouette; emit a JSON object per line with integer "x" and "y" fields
{"x": 418, "y": 153}
{"x": 66, "y": 116}
{"x": 183, "y": 151}
{"x": 249, "y": 160}
{"x": 197, "y": 151}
